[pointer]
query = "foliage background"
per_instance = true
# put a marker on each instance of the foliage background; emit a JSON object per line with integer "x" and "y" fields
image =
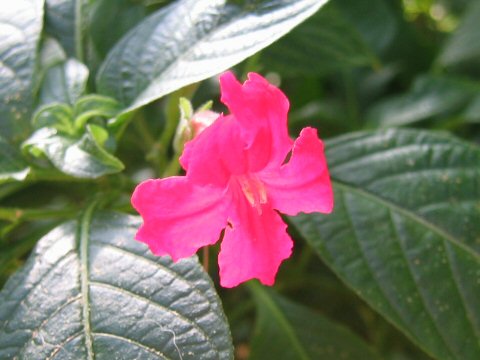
{"x": 393, "y": 86}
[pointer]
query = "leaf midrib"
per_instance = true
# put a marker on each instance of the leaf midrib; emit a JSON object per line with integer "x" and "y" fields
{"x": 83, "y": 241}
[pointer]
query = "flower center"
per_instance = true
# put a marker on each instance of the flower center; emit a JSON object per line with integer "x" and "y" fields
{"x": 254, "y": 191}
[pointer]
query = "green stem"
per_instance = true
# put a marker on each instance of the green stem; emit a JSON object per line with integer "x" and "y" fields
{"x": 142, "y": 128}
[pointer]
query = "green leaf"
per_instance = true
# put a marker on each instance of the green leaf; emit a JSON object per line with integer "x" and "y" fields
{"x": 67, "y": 21}
{"x": 286, "y": 330}
{"x": 60, "y": 22}
{"x": 95, "y": 105}
{"x": 324, "y": 43}
{"x": 463, "y": 47}
{"x": 57, "y": 116}
{"x": 373, "y": 19}
{"x": 21, "y": 24}
{"x": 51, "y": 53}
{"x": 472, "y": 112}
{"x": 82, "y": 157}
{"x": 64, "y": 83}
{"x": 430, "y": 96}
{"x": 90, "y": 291}
{"x": 12, "y": 165}
{"x": 404, "y": 233}
{"x": 210, "y": 37}
{"x": 111, "y": 19}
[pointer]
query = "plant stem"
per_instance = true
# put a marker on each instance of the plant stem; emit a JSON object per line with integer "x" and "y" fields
{"x": 141, "y": 126}
{"x": 206, "y": 256}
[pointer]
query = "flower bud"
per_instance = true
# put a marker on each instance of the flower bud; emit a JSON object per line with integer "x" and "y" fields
{"x": 192, "y": 124}
{"x": 201, "y": 120}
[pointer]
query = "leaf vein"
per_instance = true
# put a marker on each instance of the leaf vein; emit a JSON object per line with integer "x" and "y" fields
{"x": 155, "y": 304}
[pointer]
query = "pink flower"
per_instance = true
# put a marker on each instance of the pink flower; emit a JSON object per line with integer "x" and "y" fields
{"x": 237, "y": 178}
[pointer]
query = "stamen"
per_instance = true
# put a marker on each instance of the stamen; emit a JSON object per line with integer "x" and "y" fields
{"x": 254, "y": 191}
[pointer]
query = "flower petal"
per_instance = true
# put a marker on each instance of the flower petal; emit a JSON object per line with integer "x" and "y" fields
{"x": 254, "y": 246}
{"x": 261, "y": 110}
{"x": 217, "y": 153}
{"x": 179, "y": 217}
{"x": 303, "y": 184}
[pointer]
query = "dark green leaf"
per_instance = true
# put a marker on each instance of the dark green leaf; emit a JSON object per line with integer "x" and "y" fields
{"x": 64, "y": 83}
{"x": 111, "y": 19}
{"x": 12, "y": 166}
{"x": 463, "y": 47}
{"x": 404, "y": 233}
{"x": 326, "y": 42}
{"x": 191, "y": 40}
{"x": 90, "y": 291}
{"x": 67, "y": 21}
{"x": 286, "y": 330}
{"x": 60, "y": 22}
{"x": 21, "y": 24}
{"x": 430, "y": 96}
{"x": 82, "y": 157}
{"x": 373, "y": 19}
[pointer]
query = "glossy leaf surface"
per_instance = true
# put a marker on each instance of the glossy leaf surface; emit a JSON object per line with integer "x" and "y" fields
{"x": 191, "y": 40}
{"x": 90, "y": 291}
{"x": 67, "y": 20}
{"x": 404, "y": 233}
{"x": 20, "y": 27}
{"x": 64, "y": 83}
{"x": 83, "y": 157}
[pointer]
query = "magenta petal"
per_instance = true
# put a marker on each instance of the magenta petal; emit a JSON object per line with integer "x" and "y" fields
{"x": 216, "y": 154}
{"x": 261, "y": 110}
{"x": 179, "y": 217}
{"x": 254, "y": 246}
{"x": 303, "y": 184}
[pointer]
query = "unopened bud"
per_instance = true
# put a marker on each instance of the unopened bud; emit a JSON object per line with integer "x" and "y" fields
{"x": 201, "y": 120}
{"x": 192, "y": 124}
